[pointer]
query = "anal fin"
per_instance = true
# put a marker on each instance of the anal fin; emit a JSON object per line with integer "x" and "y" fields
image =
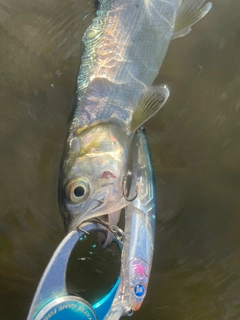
{"x": 189, "y": 12}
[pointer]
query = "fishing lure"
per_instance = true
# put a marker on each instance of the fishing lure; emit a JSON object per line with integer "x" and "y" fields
{"x": 138, "y": 243}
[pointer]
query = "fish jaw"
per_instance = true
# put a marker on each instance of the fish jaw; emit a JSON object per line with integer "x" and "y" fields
{"x": 73, "y": 220}
{"x": 91, "y": 174}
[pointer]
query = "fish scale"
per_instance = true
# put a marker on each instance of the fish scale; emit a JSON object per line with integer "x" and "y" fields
{"x": 120, "y": 52}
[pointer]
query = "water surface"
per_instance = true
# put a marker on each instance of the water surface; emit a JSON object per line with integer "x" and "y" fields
{"x": 194, "y": 141}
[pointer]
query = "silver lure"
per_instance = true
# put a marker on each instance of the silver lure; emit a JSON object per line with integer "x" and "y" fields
{"x": 138, "y": 243}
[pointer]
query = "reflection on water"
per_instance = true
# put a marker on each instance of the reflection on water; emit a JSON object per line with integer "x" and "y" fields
{"x": 194, "y": 141}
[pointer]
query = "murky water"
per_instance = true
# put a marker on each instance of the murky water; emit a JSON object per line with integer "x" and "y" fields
{"x": 194, "y": 141}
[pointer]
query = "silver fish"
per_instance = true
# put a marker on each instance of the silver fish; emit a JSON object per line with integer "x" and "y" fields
{"x": 124, "y": 50}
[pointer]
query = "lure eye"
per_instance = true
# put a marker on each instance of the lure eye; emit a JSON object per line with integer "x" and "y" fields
{"x": 77, "y": 190}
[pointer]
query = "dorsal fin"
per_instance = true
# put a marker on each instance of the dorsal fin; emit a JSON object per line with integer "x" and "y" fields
{"x": 189, "y": 12}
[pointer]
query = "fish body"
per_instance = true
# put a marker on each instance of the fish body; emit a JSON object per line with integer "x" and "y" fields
{"x": 125, "y": 47}
{"x": 124, "y": 50}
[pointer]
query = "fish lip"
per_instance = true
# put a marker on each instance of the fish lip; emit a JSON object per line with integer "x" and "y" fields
{"x": 78, "y": 218}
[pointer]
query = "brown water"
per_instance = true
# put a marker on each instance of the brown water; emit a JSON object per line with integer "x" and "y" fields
{"x": 194, "y": 141}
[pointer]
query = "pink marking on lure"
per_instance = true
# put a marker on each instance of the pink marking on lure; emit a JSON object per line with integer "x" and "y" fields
{"x": 140, "y": 270}
{"x": 108, "y": 175}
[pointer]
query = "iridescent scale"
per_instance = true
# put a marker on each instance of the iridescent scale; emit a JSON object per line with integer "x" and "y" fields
{"x": 124, "y": 50}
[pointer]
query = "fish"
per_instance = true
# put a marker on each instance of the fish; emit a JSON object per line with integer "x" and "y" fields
{"x": 139, "y": 232}
{"x": 124, "y": 49}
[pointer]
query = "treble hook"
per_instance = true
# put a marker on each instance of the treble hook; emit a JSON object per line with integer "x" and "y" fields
{"x": 82, "y": 230}
{"x": 124, "y": 186}
{"x": 118, "y": 233}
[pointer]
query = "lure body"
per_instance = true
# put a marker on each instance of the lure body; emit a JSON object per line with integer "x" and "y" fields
{"x": 138, "y": 244}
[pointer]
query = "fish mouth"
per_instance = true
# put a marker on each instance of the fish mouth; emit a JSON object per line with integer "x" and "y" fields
{"x": 74, "y": 220}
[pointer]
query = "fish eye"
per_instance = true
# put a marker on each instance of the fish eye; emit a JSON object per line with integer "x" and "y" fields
{"x": 77, "y": 190}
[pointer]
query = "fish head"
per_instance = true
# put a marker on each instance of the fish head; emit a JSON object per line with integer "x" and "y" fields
{"x": 90, "y": 180}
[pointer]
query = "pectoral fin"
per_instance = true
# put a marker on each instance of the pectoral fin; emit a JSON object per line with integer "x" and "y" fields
{"x": 149, "y": 104}
{"x": 189, "y": 12}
